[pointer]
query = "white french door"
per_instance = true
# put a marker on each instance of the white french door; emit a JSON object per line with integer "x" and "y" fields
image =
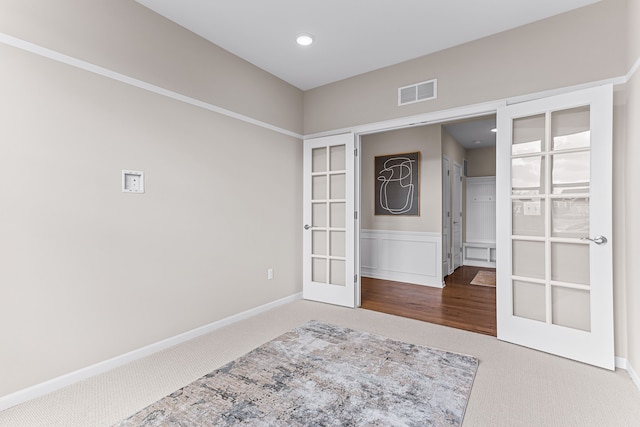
{"x": 328, "y": 215}
{"x": 554, "y": 185}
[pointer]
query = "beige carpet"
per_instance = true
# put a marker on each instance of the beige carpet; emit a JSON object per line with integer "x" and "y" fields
{"x": 484, "y": 278}
{"x": 514, "y": 386}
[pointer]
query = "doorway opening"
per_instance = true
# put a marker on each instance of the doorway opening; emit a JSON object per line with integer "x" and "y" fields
{"x": 398, "y": 275}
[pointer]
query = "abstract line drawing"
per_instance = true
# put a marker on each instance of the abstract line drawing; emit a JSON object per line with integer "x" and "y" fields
{"x": 397, "y": 184}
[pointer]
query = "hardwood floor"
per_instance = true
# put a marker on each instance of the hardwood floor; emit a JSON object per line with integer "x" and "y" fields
{"x": 459, "y": 305}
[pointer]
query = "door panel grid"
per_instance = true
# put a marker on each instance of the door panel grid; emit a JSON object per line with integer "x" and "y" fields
{"x": 550, "y": 160}
{"x": 328, "y": 200}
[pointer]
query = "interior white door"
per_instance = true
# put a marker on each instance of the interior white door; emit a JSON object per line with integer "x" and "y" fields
{"x": 456, "y": 213}
{"x": 446, "y": 216}
{"x": 328, "y": 215}
{"x": 554, "y": 184}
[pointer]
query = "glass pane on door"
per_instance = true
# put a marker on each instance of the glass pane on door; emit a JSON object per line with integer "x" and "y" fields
{"x": 527, "y": 175}
{"x": 529, "y": 300}
{"x": 571, "y": 308}
{"x": 571, "y": 128}
{"x": 528, "y": 135}
{"x": 570, "y": 217}
{"x": 570, "y": 172}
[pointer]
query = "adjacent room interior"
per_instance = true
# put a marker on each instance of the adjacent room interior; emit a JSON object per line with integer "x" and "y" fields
{"x": 398, "y": 282}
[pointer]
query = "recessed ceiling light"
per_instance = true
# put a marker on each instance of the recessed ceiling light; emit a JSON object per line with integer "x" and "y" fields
{"x": 476, "y": 142}
{"x": 304, "y": 39}
{"x": 494, "y": 130}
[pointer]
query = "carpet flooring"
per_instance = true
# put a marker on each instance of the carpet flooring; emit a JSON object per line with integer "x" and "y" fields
{"x": 324, "y": 375}
{"x": 514, "y": 386}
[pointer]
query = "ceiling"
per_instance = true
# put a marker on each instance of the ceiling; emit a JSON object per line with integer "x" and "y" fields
{"x": 351, "y": 36}
{"x": 473, "y": 133}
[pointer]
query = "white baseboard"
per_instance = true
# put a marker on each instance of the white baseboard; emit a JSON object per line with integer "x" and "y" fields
{"x": 73, "y": 377}
{"x": 624, "y": 364}
{"x": 634, "y": 375}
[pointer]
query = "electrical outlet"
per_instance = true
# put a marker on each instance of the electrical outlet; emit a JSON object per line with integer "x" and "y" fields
{"x": 269, "y": 273}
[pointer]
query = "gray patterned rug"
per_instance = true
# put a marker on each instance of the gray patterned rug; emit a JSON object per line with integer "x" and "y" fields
{"x": 324, "y": 375}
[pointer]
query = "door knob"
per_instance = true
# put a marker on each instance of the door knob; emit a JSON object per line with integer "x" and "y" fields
{"x": 598, "y": 240}
{"x": 307, "y": 226}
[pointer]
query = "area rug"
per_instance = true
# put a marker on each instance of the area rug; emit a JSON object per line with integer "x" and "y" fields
{"x": 484, "y": 278}
{"x": 324, "y": 375}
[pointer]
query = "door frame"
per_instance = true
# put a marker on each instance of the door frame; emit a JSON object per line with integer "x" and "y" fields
{"x": 435, "y": 117}
{"x": 456, "y": 193}
{"x": 446, "y": 217}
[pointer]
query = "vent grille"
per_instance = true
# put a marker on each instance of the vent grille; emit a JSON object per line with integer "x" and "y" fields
{"x": 417, "y": 92}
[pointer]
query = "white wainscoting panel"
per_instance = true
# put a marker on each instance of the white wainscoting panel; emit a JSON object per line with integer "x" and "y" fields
{"x": 402, "y": 256}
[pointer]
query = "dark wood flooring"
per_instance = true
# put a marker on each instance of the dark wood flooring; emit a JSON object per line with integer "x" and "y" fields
{"x": 459, "y": 304}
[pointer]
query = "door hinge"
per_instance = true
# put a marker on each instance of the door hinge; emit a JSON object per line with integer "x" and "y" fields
{"x": 448, "y": 214}
{"x": 448, "y": 173}
{"x": 460, "y": 179}
{"x": 355, "y": 152}
{"x": 355, "y": 215}
{"x": 355, "y": 278}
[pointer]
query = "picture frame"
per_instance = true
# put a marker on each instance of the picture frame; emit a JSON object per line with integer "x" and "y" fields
{"x": 397, "y": 184}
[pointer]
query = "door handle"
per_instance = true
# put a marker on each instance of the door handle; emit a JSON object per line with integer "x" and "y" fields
{"x": 598, "y": 240}
{"x": 307, "y": 227}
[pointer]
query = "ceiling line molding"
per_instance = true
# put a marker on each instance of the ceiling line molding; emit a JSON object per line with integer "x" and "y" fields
{"x": 633, "y": 70}
{"x": 123, "y": 78}
{"x": 427, "y": 118}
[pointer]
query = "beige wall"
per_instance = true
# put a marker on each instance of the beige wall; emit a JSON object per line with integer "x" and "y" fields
{"x": 481, "y": 162}
{"x": 124, "y": 36}
{"x": 632, "y": 197}
{"x": 425, "y": 139}
{"x": 88, "y": 272}
{"x": 576, "y": 47}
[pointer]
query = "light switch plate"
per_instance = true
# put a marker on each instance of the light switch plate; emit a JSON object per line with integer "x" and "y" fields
{"x": 132, "y": 181}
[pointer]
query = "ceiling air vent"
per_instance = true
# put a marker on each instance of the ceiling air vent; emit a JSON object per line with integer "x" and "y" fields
{"x": 417, "y": 92}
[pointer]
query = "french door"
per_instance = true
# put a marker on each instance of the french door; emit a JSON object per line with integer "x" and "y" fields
{"x": 554, "y": 185}
{"x": 328, "y": 220}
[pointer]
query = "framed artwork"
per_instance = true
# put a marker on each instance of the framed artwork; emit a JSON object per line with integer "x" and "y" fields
{"x": 397, "y": 184}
